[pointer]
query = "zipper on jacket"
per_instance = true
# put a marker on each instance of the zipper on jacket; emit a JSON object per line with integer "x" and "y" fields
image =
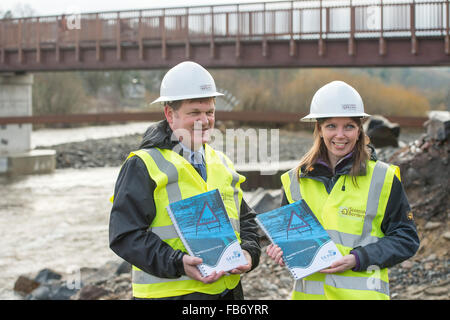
{"x": 343, "y": 186}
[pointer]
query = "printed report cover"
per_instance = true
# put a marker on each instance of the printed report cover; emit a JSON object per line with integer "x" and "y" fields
{"x": 204, "y": 227}
{"x": 307, "y": 247}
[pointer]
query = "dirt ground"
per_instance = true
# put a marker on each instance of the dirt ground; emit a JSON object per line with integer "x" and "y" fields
{"x": 425, "y": 176}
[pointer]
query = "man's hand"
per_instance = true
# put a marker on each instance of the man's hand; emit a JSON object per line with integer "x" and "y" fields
{"x": 244, "y": 268}
{"x": 190, "y": 268}
{"x": 341, "y": 265}
{"x": 275, "y": 252}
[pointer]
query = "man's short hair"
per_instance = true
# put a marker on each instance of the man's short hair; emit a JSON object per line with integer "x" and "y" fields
{"x": 175, "y": 105}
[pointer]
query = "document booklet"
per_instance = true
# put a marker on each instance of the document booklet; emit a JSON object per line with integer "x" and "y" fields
{"x": 307, "y": 247}
{"x": 205, "y": 229}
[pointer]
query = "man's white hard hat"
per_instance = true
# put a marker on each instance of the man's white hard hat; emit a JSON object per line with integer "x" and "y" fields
{"x": 187, "y": 80}
{"x": 336, "y": 99}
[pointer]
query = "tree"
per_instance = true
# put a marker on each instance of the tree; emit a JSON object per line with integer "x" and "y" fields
{"x": 58, "y": 93}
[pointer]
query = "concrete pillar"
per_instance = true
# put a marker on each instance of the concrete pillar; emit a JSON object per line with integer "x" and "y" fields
{"x": 16, "y": 156}
{"x": 15, "y": 100}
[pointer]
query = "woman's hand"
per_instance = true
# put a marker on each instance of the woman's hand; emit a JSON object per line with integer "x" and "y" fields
{"x": 345, "y": 263}
{"x": 274, "y": 252}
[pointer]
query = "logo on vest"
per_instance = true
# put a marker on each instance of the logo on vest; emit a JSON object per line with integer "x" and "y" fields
{"x": 352, "y": 213}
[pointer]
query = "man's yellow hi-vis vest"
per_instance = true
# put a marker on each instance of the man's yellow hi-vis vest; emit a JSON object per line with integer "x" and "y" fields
{"x": 175, "y": 180}
{"x": 352, "y": 218}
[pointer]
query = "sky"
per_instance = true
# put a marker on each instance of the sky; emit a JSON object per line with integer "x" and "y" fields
{"x": 56, "y": 7}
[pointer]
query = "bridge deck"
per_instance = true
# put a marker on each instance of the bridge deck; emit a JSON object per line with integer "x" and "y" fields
{"x": 268, "y": 34}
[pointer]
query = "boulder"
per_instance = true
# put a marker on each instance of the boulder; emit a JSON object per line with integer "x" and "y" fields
{"x": 438, "y": 125}
{"x": 47, "y": 274}
{"x": 25, "y": 285}
{"x": 265, "y": 200}
{"x": 92, "y": 292}
{"x": 40, "y": 293}
{"x": 381, "y": 131}
{"x": 124, "y": 267}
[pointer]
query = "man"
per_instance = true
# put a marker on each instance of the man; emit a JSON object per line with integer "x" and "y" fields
{"x": 162, "y": 172}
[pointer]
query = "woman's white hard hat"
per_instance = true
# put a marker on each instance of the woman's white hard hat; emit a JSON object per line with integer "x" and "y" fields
{"x": 187, "y": 80}
{"x": 336, "y": 99}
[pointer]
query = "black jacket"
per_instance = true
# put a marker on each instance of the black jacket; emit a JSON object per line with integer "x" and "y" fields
{"x": 133, "y": 211}
{"x": 400, "y": 240}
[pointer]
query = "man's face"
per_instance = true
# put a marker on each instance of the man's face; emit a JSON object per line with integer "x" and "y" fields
{"x": 192, "y": 122}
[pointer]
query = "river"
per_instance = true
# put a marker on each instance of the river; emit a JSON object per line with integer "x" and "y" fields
{"x": 58, "y": 220}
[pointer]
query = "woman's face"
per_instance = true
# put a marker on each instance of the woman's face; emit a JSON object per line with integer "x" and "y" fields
{"x": 340, "y": 136}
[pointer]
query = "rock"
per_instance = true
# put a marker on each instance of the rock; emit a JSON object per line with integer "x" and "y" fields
{"x": 98, "y": 276}
{"x": 63, "y": 292}
{"x": 412, "y": 175}
{"x": 431, "y": 225}
{"x": 437, "y": 291}
{"x": 25, "y": 285}
{"x": 41, "y": 293}
{"x": 429, "y": 265}
{"x": 431, "y": 257}
{"x": 438, "y": 125}
{"x": 264, "y": 200}
{"x": 382, "y": 132}
{"x": 407, "y": 264}
{"x": 124, "y": 267}
{"x": 91, "y": 292}
{"x": 47, "y": 274}
{"x": 52, "y": 290}
{"x": 446, "y": 235}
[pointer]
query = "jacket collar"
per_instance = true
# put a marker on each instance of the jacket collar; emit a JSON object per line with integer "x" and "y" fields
{"x": 343, "y": 166}
{"x": 158, "y": 135}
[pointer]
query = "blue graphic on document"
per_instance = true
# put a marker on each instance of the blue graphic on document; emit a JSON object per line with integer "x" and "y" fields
{"x": 330, "y": 254}
{"x": 236, "y": 255}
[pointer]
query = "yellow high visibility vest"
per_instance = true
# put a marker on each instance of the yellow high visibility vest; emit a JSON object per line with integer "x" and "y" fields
{"x": 352, "y": 218}
{"x": 175, "y": 180}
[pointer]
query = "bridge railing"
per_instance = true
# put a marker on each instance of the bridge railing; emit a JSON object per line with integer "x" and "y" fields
{"x": 257, "y": 21}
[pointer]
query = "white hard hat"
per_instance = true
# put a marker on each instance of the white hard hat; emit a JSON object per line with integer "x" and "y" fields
{"x": 336, "y": 99}
{"x": 187, "y": 80}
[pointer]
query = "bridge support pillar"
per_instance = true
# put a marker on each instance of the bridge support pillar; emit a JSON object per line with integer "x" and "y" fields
{"x": 16, "y": 154}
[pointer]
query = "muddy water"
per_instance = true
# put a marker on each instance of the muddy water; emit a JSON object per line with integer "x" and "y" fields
{"x": 57, "y": 221}
{"x": 50, "y": 137}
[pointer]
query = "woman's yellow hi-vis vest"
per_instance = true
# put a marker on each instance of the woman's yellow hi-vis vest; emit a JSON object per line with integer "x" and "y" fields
{"x": 352, "y": 218}
{"x": 175, "y": 180}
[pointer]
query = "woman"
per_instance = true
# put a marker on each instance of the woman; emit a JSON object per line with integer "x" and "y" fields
{"x": 359, "y": 201}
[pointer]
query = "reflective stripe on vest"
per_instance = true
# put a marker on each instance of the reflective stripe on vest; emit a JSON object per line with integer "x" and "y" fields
{"x": 340, "y": 282}
{"x": 349, "y": 284}
{"x": 167, "y": 177}
{"x": 234, "y": 222}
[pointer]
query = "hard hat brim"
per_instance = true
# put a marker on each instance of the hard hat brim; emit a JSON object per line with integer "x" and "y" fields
{"x": 313, "y": 117}
{"x": 185, "y": 97}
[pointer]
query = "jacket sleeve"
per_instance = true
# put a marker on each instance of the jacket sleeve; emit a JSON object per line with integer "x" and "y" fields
{"x": 400, "y": 240}
{"x": 284, "y": 200}
{"x": 132, "y": 213}
{"x": 249, "y": 233}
